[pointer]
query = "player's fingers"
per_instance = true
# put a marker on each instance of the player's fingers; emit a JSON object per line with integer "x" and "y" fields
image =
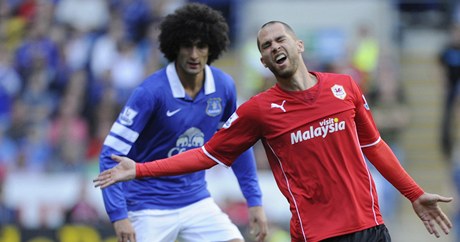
{"x": 444, "y": 223}
{"x": 100, "y": 178}
{"x": 104, "y": 175}
{"x": 445, "y": 199}
{"x": 433, "y": 228}
{"x": 445, "y": 219}
{"x": 97, "y": 181}
{"x": 252, "y": 227}
{"x": 99, "y": 184}
{"x": 125, "y": 237}
{"x": 104, "y": 180}
{"x": 131, "y": 238}
{"x": 107, "y": 182}
{"x": 263, "y": 231}
{"x": 428, "y": 227}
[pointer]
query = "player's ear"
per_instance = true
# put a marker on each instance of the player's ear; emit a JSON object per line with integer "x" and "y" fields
{"x": 300, "y": 46}
{"x": 263, "y": 63}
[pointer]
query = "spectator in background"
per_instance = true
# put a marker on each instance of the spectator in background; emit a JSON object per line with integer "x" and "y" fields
{"x": 83, "y": 212}
{"x": 16, "y": 130}
{"x": 8, "y": 148}
{"x": 137, "y": 16}
{"x": 83, "y": 15}
{"x": 365, "y": 55}
{"x": 12, "y": 26}
{"x": 10, "y": 84}
{"x": 105, "y": 49}
{"x": 127, "y": 71}
{"x": 68, "y": 131}
{"x": 450, "y": 61}
{"x": 37, "y": 50}
{"x": 106, "y": 111}
{"x": 38, "y": 105}
{"x": 8, "y": 215}
{"x": 77, "y": 49}
{"x": 35, "y": 153}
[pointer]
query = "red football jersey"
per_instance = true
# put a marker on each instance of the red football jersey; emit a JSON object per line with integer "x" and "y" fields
{"x": 313, "y": 142}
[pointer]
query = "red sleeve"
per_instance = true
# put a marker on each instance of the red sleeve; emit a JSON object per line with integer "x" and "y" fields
{"x": 239, "y": 133}
{"x": 185, "y": 162}
{"x": 365, "y": 125}
{"x": 383, "y": 158}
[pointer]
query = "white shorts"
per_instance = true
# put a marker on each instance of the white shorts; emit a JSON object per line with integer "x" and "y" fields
{"x": 202, "y": 221}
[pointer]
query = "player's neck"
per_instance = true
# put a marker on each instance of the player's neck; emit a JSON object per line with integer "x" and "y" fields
{"x": 192, "y": 83}
{"x": 300, "y": 81}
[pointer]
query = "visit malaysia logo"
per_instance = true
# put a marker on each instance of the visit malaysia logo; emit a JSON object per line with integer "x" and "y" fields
{"x": 327, "y": 126}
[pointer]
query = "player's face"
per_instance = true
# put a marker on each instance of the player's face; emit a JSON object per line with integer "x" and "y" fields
{"x": 280, "y": 50}
{"x": 192, "y": 58}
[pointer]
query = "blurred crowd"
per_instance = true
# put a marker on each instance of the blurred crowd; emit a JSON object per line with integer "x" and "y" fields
{"x": 66, "y": 66}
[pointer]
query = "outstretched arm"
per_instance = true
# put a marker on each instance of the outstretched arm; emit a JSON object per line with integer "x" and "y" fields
{"x": 425, "y": 204}
{"x": 185, "y": 162}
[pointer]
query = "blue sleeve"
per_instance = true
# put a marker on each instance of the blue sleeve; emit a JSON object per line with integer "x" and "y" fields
{"x": 119, "y": 141}
{"x": 245, "y": 170}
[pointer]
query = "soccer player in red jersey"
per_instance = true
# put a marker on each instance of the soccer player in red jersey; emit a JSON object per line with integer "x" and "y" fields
{"x": 316, "y": 129}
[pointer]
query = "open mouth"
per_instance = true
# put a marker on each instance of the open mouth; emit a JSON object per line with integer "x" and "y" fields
{"x": 280, "y": 58}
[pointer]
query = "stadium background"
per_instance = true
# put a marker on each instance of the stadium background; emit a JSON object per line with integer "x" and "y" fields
{"x": 66, "y": 66}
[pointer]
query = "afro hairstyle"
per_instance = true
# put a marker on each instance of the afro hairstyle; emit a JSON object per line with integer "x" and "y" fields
{"x": 193, "y": 22}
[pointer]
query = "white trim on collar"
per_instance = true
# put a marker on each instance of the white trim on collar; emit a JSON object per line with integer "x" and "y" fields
{"x": 209, "y": 85}
{"x": 176, "y": 87}
{"x": 178, "y": 90}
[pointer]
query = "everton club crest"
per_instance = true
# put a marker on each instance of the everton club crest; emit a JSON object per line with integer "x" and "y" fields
{"x": 214, "y": 107}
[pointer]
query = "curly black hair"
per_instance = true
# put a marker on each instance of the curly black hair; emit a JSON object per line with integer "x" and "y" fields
{"x": 193, "y": 22}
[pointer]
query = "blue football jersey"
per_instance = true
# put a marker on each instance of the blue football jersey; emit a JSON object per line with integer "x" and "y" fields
{"x": 160, "y": 120}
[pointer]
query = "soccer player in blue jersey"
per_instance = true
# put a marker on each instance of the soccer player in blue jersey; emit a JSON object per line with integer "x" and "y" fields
{"x": 176, "y": 109}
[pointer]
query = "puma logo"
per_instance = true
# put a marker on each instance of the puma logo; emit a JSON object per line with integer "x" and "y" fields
{"x": 274, "y": 105}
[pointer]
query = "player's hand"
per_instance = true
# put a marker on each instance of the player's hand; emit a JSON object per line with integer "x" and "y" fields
{"x": 124, "y": 231}
{"x": 258, "y": 223}
{"x": 124, "y": 171}
{"x": 428, "y": 210}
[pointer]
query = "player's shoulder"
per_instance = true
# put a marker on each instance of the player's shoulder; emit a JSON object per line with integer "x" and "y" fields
{"x": 155, "y": 82}
{"x": 156, "y": 78}
{"x": 330, "y": 77}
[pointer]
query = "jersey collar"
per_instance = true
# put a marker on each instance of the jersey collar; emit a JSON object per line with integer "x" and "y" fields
{"x": 178, "y": 90}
